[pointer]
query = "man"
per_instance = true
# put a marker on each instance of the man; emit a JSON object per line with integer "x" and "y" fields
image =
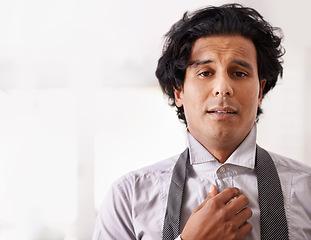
{"x": 216, "y": 67}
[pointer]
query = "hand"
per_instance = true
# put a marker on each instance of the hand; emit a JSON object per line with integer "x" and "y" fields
{"x": 220, "y": 216}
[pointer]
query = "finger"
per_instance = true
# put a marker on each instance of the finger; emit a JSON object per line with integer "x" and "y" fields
{"x": 237, "y": 204}
{"x": 240, "y": 218}
{"x": 226, "y": 195}
{"x": 212, "y": 193}
{"x": 245, "y": 229}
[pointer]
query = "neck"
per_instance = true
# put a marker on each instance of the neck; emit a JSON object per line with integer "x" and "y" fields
{"x": 221, "y": 153}
{"x": 220, "y": 148}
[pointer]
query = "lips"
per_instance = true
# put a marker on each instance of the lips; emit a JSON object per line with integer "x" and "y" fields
{"x": 223, "y": 110}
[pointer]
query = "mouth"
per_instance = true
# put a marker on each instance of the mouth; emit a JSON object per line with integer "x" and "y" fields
{"x": 222, "y": 112}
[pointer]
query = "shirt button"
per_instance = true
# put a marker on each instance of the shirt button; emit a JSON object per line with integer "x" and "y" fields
{"x": 222, "y": 169}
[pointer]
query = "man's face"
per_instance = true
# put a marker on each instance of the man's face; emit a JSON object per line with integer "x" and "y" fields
{"x": 221, "y": 91}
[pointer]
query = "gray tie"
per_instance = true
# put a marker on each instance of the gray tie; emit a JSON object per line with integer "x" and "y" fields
{"x": 273, "y": 223}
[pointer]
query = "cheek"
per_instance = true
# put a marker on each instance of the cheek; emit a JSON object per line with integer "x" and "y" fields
{"x": 193, "y": 102}
{"x": 195, "y": 99}
{"x": 249, "y": 98}
{"x": 192, "y": 93}
{"x": 251, "y": 90}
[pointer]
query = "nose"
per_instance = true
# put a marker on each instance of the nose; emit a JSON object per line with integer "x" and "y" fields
{"x": 223, "y": 87}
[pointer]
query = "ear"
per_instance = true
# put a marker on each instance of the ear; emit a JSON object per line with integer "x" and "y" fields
{"x": 262, "y": 86}
{"x": 179, "y": 95}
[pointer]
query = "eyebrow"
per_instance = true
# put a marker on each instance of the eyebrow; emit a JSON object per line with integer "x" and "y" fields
{"x": 199, "y": 62}
{"x": 242, "y": 63}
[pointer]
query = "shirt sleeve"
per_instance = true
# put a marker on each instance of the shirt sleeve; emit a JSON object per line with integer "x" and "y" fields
{"x": 114, "y": 220}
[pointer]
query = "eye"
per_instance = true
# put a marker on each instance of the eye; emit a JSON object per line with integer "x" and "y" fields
{"x": 240, "y": 74}
{"x": 205, "y": 74}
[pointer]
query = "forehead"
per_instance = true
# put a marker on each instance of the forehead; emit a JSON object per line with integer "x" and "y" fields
{"x": 224, "y": 48}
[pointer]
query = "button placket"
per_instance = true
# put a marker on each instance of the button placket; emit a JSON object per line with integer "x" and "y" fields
{"x": 222, "y": 169}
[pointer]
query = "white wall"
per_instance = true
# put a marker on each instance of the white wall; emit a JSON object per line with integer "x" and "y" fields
{"x": 79, "y": 101}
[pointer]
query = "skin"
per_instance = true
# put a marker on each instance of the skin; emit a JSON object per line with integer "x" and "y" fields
{"x": 223, "y": 76}
{"x": 220, "y": 216}
{"x": 220, "y": 96}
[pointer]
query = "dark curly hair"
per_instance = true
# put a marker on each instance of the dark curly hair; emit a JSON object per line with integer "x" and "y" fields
{"x": 228, "y": 19}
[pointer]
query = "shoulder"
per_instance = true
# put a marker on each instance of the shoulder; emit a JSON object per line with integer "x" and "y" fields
{"x": 295, "y": 179}
{"x": 295, "y": 176}
{"x": 140, "y": 189}
{"x": 290, "y": 165}
{"x": 146, "y": 177}
{"x": 123, "y": 210}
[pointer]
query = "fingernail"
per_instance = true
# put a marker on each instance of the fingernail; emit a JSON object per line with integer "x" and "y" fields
{"x": 211, "y": 188}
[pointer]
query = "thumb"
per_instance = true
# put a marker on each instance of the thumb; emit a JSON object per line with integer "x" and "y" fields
{"x": 212, "y": 193}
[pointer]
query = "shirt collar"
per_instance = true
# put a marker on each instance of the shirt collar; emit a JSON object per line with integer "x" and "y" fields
{"x": 243, "y": 156}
